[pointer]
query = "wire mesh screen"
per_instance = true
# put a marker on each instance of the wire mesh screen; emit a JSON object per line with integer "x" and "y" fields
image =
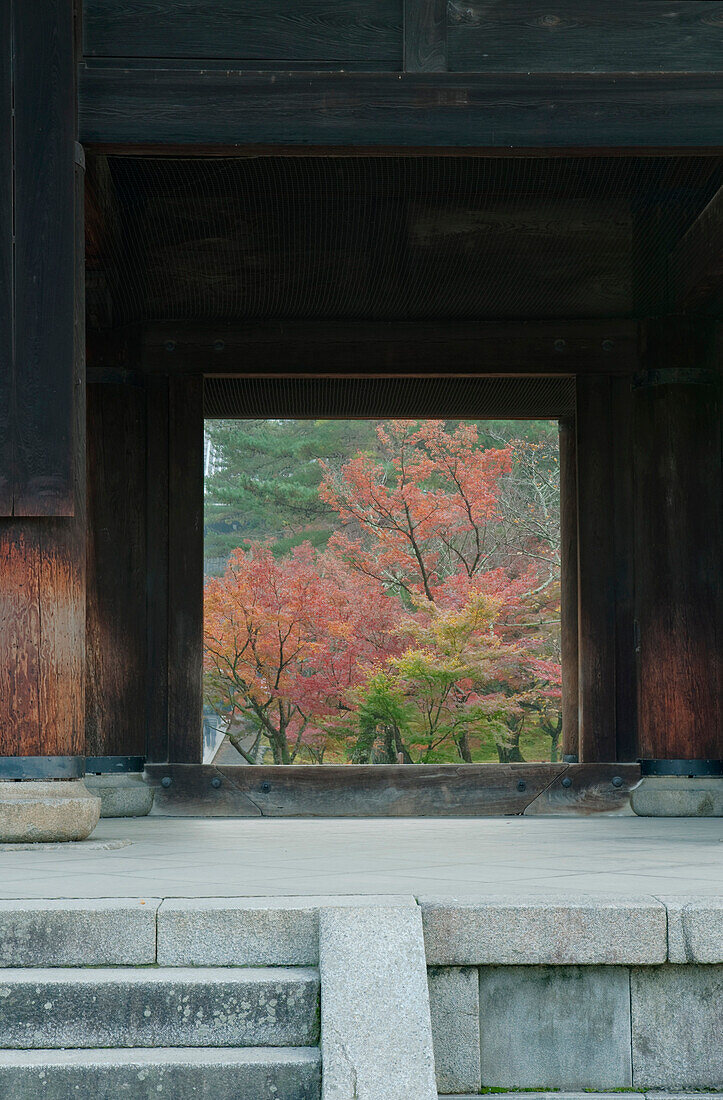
{"x": 386, "y": 238}
{"x": 377, "y": 398}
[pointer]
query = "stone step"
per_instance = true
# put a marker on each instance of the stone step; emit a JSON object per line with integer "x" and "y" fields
{"x": 159, "y": 1006}
{"x": 196, "y": 1073}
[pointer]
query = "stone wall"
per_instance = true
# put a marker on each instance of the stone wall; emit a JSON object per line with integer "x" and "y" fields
{"x": 590, "y": 993}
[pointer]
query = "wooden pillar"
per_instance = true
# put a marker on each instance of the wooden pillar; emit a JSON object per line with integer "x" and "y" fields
{"x": 596, "y": 570}
{"x": 679, "y": 557}
{"x": 42, "y": 540}
{"x": 185, "y": 569}
{"x": 116, "y": 585}
{"x": 624, "y": 559}
{"x": 174, "y": 700}
{"x": 568, "y": 589}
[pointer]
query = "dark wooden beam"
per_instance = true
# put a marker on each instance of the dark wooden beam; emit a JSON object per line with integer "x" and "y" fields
{"x": 568, "y": 587}
{"x": 156, "y": 496}
{"x": 185, "y": 568}
{"x": 585, "y": 36}
{"x": 258, "y": 31}
{"x": 7, "y": 319}
{"x": 116, "y": 659}
{"x": 531, "y": 110}
{"x": 679, "y": 550}
{"x": 695, "y": 266}
{"x": 42, "y": 588}
{"x": 425, "y": 36}
{"x": 410, "y": 790}
{"x": 44, "y": 136}
{"x": 622, "y": 458}
{"x": 370, "y": 348}
{"x": 596, "y": 577}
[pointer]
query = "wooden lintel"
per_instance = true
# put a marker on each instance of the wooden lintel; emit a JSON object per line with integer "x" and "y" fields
{"x": 494, "y": 110}
{"x": 695, "y": 266}
{"x": 381, "y": 349}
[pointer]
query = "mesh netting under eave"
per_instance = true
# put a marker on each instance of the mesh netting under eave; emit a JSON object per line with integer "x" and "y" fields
{"x": 381, "y": 398}
{"x": 386, "y": 238}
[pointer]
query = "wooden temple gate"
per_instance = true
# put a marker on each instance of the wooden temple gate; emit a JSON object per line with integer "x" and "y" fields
{"x": 101, "y": 562}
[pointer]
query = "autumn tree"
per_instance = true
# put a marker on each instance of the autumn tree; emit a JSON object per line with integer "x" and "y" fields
{"x": 425, "y": 510}
{"x": 285, "y": 639}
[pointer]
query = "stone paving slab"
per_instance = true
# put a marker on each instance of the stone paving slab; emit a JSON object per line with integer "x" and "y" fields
{"x": 162, "y": 1074}
{"x": 376, "y": 1033}
{"x": 174, "y": 857}
{"x": 556, "y": 930}
{"x": 78, "y": 932}
{"x": 111, "y": 1007}
{"x": 274, "y": 931}
{"x": 695, "y": 929}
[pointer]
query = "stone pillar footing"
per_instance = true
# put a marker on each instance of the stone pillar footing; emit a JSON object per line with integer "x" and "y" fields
{"x": 122, "y": 795}
{"x": 678, "y": 796}
{"x": 46, "y": 810}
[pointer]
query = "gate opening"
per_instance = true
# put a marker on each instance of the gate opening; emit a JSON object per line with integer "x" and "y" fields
{"x": 380, "y": 590}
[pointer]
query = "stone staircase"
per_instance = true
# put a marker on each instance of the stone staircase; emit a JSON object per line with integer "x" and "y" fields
{"x": 247, "y": 1033}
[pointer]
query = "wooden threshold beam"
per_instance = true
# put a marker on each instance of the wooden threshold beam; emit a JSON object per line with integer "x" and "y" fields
{"x": 695, "y": 266}
{"x": 389, "y": 790}
{"x": 493, "y": 110}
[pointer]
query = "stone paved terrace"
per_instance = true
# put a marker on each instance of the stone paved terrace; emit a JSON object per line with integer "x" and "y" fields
{"x": 194, "y": 857}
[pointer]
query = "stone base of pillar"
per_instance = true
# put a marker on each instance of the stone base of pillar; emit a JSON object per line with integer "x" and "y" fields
{"x": 123, "y": 795}
{"x": 46, "y": 810}
{"x": 678, "y": 796}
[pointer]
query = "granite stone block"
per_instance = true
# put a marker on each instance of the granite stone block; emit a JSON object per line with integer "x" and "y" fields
{"x": 110, "y": 1007}
{"x": 78, "y": 932}
{"x": 454, "y": 1004}
{"x": 271, "y": 931}
{"x": 161, "y": 1074}
{"x": 557, "y": 1027}
{"x": 376, "y": 1033}
{"x": 556, "y": 929}
{"x": 695, "y": 929}
{"x": 677, "y": 1027}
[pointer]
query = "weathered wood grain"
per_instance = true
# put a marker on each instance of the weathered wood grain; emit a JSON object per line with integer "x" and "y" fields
{"x": 596, "y": 577}
{"x": 323, "y": 31}
{"x": 44, "y": 128}
{"x": 586, "y": 789}
{"x": 42, "y": 594}
{"x": 568, "y": 586}
{"x": 7, "y": 319}
{"x": 679, "y": 563}
{"x": 425, "y": 36}
{"x": 185, "y": 568}
{"x": 410, "y": 790}
{"x": 585, "y": 36}
{"x": 116, "y": 657}
{"x": 422, "y": 110}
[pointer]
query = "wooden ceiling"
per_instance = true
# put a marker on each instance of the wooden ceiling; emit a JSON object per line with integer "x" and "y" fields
{"x": 393, "y": 239}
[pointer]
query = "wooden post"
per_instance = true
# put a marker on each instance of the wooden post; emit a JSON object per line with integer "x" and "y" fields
{"x": 116, "y": 588}
{"x": 596, "y": 577}
{"x": 174, "y": 587}
{"x": 185, "y": 568}
{"x": 624, "y": 560}
{"x": 679, "y": 556}
{"x": 42, "y": 544}
{"x": 568, "y": 588}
